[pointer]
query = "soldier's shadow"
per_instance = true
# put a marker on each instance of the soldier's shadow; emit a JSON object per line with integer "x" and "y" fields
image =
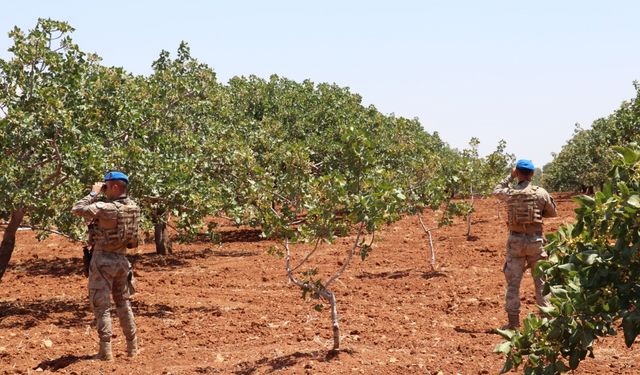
{"x": 60, "y": 363}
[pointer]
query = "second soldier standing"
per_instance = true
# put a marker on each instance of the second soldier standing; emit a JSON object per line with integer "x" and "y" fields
{"x": 527, "y": 204}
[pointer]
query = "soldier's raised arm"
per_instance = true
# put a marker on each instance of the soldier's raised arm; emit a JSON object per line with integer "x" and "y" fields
{"x": 501, "y": 190}
{"x": 86, "y": 206}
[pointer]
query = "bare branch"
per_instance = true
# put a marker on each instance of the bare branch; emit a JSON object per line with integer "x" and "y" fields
{"x": 290, "y": 274}
{"x": 39, "y": 164}
{"x": 33, "y": 227}
{"x": 348, "y": 260}
{"x": 299, "y": 221}
{"x": 274, "y": 211}
{"x": 56, "y": 183}
{"x": 307, "y": 256}
{"x": 57, "y": 157}
{"x": 52, "y": 38}
{"x": 373, "y": 237}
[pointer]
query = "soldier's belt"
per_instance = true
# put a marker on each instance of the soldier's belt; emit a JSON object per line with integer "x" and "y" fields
{"x": 515, "y": 233}
{"x": 120, "y": 251}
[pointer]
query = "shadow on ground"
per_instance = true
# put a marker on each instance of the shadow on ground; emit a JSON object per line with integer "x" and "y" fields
{"x": 155, "y": 262}
{"x": 289, "y": 360}
{"x": 384, "y": 275}
{"x": 60, "y": 363}
{"x": 160, "y": 310}
{"x": 51, "y": 267}
{"x": 63, "y": 313}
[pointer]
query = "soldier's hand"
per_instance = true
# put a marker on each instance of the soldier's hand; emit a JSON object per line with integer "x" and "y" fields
{"x": 514, "y": 173}
{"x": 97, "y": 187}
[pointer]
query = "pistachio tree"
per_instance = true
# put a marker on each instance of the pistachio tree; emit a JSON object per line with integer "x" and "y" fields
{"x": 323, "y": 166}
{"x": 583, "y": 162}
{"x": 471, "y": 175}
{"x": 44, "y": 136}
{"x": 169, "y": 138}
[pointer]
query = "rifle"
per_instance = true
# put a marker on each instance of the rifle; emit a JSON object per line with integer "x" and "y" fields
{"x": 87, "y": 252}
{"x": 131, "y": 282}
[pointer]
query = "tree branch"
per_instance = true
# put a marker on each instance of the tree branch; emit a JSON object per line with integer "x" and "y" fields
{"x": 290, "y": 274}
{"x": 33, "y": 227}
{"x": 57, "y": 157}
{"x": 348, "y": 260}
{"x": 307, "y": 256}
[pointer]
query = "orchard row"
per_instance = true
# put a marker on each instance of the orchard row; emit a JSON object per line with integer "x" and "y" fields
{"x": 303, "y": 162}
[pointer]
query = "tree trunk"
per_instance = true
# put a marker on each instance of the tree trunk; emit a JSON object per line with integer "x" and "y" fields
{"x": 163, "y": 242}
{"x": 469, "y": 215}
{"x": 431, "y": 247}
{"x": 328, "y": 295}
{"x": 9, "y": 239}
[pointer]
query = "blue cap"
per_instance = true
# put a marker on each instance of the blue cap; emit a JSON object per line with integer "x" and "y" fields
{"x": 115, "y": 175}
{"x": 525, "y": 164}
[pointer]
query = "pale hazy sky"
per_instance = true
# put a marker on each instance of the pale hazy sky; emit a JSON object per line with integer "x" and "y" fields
{"x": 522, "y": 71}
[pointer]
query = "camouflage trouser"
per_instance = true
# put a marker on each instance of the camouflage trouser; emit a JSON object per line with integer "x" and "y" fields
{"x": 108, "y": 276}
{"x": 523, "y": 251}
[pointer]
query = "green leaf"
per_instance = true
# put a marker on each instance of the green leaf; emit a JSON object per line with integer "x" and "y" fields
{"x": 559, "y": 292}
{"x": 628, "y": 154}
{"x": 623, "y": 188}
{"x": 591, "y": 259}
{"x": 508, "y": 365}
{"x": 634, "y": 201}
{"x": 567, "y": 267}
{"x": 504, "y": 347}
{"x": 548, "y": 309}
{"x": 585, "y": 200}
{"x": 506, "y": 333}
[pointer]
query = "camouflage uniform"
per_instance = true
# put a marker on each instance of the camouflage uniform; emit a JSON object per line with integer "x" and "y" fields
{"x": 109, "y": 266}
{"x": 528, "y": 203}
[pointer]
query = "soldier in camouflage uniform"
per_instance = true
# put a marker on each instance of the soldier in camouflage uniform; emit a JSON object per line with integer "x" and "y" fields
{"x": 114, "y": 229}
{"x": 527, "y": 204}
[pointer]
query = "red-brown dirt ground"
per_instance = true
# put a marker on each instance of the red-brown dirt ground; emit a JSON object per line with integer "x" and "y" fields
{"x": 229, "y": 309}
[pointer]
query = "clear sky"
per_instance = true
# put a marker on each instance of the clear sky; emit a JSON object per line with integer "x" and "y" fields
{"x": 523, "y": 71}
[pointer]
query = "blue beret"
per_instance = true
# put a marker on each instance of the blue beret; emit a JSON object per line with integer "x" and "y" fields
{"x": 524, "y": 164}
{"x": 115, "y": 175}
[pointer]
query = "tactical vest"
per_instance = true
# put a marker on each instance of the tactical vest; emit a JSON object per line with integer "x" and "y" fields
{"x": 116, "y": 230}
{"x": 523, "y": 214}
